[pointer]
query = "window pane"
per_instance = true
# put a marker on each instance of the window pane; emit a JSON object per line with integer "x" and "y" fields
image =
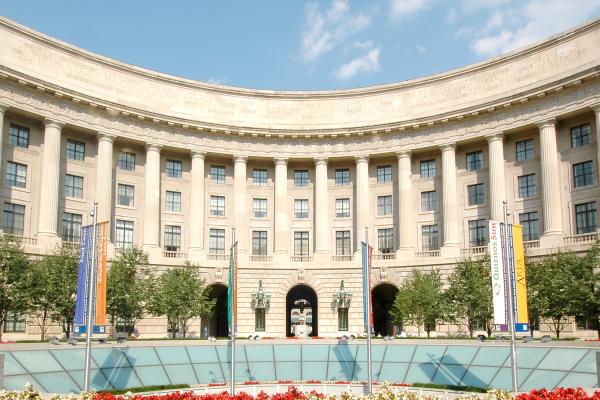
{"x": 301, "y": 208}
{"x": 525, "y": 150}
{"x": 477, "y": 233}
{"x": 217, "y": 173}
{"x": 172, "y": 237}
{"x": 173, "y": 201}
{"x": 585, "y": 217}
{"x": 342, "y": 208}
{"x": 342, "y": 176}
{"x": 429, "y": 201}
{"x": 75, "y": 150}
{"x": 430, "y": 238}
{"x": 126, "y": 161}
{"x": 71, "y": 227}
{"x": 124, "y": 233}
{"x": 13, "y": 219}
{"x": 301, "y": 243}
{"x": 529, "y": 221}
{"x": 125, "y": 195}
{"x": 18, "y": 136}
{"x": 474, "y": 161}
{"x": 428, "y": 169}
{"x": 476, "y": 194}
{"x": 583, "y": 174}
{"x": 16, "y": 174}
{"x": 342, "y": 243}
{"x": 581, "y": 135}
{"x": 217, "y": 241}
{"x": 384, "y": 205}
{"x": 173, "y": 169}
{"x": 384, "y": 174}
{"x": 527, "y": 186}
{"x": 259, "y": 208}
{"x": 259, "y": 177}
{"x": 385, "y": 239}
{"x": 73, "y": 186}
{"x": 259, "y": 243}
{"x": 217, "y": 205}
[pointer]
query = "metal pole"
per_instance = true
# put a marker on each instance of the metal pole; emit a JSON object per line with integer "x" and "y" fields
{"x": 368, "y": 305}
{"x": 233, "y": 289}
{"x": 511, "y": 316}
{"x": 90, "y": 301}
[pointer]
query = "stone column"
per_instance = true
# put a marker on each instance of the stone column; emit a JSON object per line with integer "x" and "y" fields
{"x": 151, "y": 242}
{"x": 550, "y": 185}
{"x": 197, "y": 199}
{"x": 49, "y": 187}
{"x": 451, "y": 246}
{"x": 497, "y": 183}
{"x": 3, "y": 109}
{"x": 597, "y": 112}
{"x": 321, "y": 211}
{"x": 240, "y": 209}
{"x": 104, "y": 174}
{"x": 282, "y": 233}
{"x": 362, "y": 201}
{"x": 405, "y": 206}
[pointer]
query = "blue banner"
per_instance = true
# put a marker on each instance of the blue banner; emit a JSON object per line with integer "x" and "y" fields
{"x": 82, "y": 276}
{"x": 367, "y": 252}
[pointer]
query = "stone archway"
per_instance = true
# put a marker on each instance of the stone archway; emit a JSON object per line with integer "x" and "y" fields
{"x": 383, "y": 296}
{"x": 217, "y": 324}
{"x": 301, "y": 305}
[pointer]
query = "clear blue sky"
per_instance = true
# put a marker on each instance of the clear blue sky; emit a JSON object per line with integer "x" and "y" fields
{"x": 292, "y": 44}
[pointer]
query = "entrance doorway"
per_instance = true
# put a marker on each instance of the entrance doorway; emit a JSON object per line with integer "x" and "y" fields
{"x": 383, "y": 299}
{"x": 302, "y": 309}
{"x": 217, "y": 324}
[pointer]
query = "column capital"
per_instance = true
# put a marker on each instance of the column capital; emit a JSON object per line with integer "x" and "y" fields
{"x": 51, "y": 123}
{"x": 153, "y": 147}
{"x": 403, "y": 154}
{"x": 198, "y": 154}
{"x": 361, "y": 159}
{"x": 3, "y": 107}
{"x": 281, "y": 160}
{"x": 492, "y": 137}
{"x": 321, "y": 160}
{"x": 448, "y": 146}
{"x": 106, "y": 137}
{"x": 546, "y": 123}
{"x": 240, "y": 158}
{"x": 595, "y": 107}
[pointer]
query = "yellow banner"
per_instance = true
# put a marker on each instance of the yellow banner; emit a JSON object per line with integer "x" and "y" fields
{"x": 101, "y": 276}
{"x": 520, "y": 280}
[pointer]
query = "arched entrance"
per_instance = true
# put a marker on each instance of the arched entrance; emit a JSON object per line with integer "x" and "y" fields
{"x": 302, "y": 309}
{"x": 217, "y": 325}
{"x": 383, "y": 299}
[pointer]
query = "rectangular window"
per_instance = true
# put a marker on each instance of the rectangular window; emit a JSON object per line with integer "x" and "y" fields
{"x": 18, "y": 136}
{"x": 583, "y": 174}
{"x": 301, "y": 244}
{"x": 301, "y": 208}
{"x": 384, "y": 205}
{"x": 217, "y": 206}
{"x": 259, "y": 243}
{"x": 342, "y": 176}
{"x": 525, "y": 150}
{"x": 71, "y": 227}
{"x": 259, "y": 177}
{"x": 581, "y": 135}
{"x": 125, "y": 195}
{"x": 476, "y": 194}
{"x": 527, "y": 186}
{"x": 342, "y": 208}
{"x": 477, "y": 233}
{"x": 13, "y": 220}
{"x": 216, "y": 243}
{"x": 173, "y": 201}
{"x": 259, "y": 320}
{"x": 217, "y": 173}
{"x": 300, "y": 177}
{"x": 14, "y": 322}
{"x": 585, "y": 217}
{"x": 385, "y": 240}
{"x": 124, "y": 233}
{"x": 75, "y": 150}
{"x": 429, "y": 201}
{"x": 174, "y": 168}
{"x": 342, "y": 243}
{"x": 428, "y": 169}
{"x": 73, "y": 186}
{"x": 530, "y": 224}
{"x": 474, "y": 161}
{"x": 126, "y": 161}
{"x": 342, "y": 319}
{"x": 16, "y": 174}
{"x": 384, "y": 173}
{"x": 172, "y": 238}
{"x": 259, "y": 208}
{"x": 429, "y": 235}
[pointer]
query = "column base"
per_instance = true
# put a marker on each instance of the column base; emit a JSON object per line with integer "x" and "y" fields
{"x": 154, "y": 253}
{"x": 405, "y": 253}
{"x": 552, "y": 240}
{"x": 450, "y": 251}
{"x": 281, "y": 257}
{"x": 196, "y": 254}
{"x": 322, "y": 256}
{"x": 48, "y": 241}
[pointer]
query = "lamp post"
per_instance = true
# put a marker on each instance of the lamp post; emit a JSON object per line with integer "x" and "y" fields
{"x": 342, "y": 300}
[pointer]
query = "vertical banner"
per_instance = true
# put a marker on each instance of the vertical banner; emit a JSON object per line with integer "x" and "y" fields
{"x": 232, "y": 290}
{"x": 367, "y": 256}
{"x": 101, "y": 274}
{"x": 497, "y": 271}
{"x": 521, "y": 315}
{"x": 82, "y": 276}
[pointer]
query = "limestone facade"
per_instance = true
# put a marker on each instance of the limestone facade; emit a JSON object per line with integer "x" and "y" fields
{"x": 176, "y": 164}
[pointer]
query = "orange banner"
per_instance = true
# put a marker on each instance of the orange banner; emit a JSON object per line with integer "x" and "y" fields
{"x": 101, "y": 276}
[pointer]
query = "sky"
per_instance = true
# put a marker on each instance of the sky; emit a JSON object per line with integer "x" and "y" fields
{"x": 300, "y": 45}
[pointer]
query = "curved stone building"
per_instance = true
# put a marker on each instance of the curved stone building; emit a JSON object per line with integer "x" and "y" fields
{"x": 175, "y": 164}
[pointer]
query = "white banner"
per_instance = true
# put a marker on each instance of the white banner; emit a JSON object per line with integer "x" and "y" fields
{"x": 498, "y": 278}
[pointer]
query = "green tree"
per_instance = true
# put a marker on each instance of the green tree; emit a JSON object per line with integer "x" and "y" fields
{"x": 420, "y": 301}
{"x": 51, "y": 287}
{"x": 469, "y": 294}
{"x": 128, "y": 282}
{"x": 13, "y": 278}
{"x": 182, "y": 296}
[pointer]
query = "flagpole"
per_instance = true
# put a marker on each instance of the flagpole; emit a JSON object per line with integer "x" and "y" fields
{"x": 511, "y": 316}
{"x": 90, "y": 301}
{"x": 368, "y": 305}
{"x": 232, "y": 333}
